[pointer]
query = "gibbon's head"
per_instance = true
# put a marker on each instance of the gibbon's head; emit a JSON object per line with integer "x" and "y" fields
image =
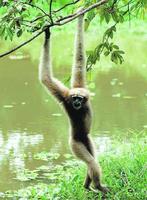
{"x": 78, "y": 97}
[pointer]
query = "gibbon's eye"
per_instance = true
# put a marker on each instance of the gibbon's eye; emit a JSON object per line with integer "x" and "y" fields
{"x": 77, "y": 101}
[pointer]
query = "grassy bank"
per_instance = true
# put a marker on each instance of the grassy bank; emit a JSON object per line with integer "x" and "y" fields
{"x": 123, "y": 171}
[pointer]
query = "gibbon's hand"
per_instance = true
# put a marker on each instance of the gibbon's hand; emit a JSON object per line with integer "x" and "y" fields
{"x": 80, "y": 9}
{"x": 47, "y": 33}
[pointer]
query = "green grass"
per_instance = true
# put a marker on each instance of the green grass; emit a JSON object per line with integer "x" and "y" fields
{"x": 123, "y": 171}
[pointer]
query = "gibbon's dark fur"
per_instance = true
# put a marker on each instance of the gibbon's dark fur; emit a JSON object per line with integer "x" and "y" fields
{"x": 76, "y": 103}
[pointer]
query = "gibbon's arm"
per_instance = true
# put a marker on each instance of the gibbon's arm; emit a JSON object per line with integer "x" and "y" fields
{"x": 79, "y": 65}
{"x": 45, "y": 72}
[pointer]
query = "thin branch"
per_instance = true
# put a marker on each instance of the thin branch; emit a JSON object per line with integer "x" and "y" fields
{"x": 70, "y": 18}
{"x": 66, "y": 5}
{"x": 131, "y": 1}
{"x": 21, "y": 45}
{"x": 36, "y": 19}
{"x": 40, "y": 17}
{"x": 59, "y": 22}
{"x": 36, "y": 7}
{"x": 66, "y": 17}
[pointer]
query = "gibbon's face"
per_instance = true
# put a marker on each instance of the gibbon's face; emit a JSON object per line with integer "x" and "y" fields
{"x": 78, "y": 97}
{"x": 77, "y": 101}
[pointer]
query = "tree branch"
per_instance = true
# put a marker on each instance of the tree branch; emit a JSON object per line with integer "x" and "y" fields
{"x": 37, "y": 7}
{"x": 38, "y": 18}
{"x": 21, "y": 45}
{"x": 67, "y": 19}
{"x": 69, "y": 4}
{"x": 59, "y": 22}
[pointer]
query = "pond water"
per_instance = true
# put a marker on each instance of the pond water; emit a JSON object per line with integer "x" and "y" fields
{"x": 31, "y": 121}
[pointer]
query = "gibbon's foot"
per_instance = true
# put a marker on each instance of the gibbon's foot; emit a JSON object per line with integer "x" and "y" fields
{"x": 86, "y": 187}
{"x": 90, "y": 189}
{"x": 87, "y": 182}
{"x": 96, "y": 192}
{"x": 103, "y": 189}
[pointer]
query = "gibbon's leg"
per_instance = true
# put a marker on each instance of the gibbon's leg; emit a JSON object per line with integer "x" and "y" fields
{"x": 88, "y": 180}
{"x": 79, "y": 65}
{"x": 94, "y": 171}
{"x": 45, "y": 71}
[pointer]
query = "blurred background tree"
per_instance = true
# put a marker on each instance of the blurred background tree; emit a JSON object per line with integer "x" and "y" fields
{"x": 33, "y": 16}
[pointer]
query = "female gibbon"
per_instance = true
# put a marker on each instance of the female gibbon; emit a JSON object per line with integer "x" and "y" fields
{"x": 75, "y": 102}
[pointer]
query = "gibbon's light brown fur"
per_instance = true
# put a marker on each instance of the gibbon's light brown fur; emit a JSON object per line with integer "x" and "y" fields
{"x": 75, "y": 102}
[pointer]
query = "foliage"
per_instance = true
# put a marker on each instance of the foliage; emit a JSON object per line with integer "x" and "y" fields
{"x": 47, "y": 156}
{"x": 107, "y": 48}
{"x": 18, "y": 17}
{"x": 27, "y": 175}
{"x": 116, "y": 12}
{"x": 124, "y": 172}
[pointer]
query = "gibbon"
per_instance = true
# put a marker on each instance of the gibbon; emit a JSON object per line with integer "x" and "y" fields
{"x": 76, "y": 104}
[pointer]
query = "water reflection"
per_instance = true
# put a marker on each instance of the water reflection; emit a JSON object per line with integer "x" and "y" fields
{"x": 102, "y": 143}
{"x": 15, "y": 147}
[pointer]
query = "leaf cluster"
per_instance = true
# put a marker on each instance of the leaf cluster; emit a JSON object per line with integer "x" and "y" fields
{"x": 17, "y": 17}
{"x": 117, "y": 12}
{"x": 107, "y": 47}
{"x": 22, "y": 16}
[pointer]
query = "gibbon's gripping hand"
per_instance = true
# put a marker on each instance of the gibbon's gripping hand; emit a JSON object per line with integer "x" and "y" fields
{"x": 47, "y": 33}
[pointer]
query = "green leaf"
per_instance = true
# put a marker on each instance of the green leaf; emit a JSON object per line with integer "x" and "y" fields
{"x": 113, "y": 28}
{"x": 106, "y": 53}
{"x": 111, "y": 35}
{"x": 115, "y": 47}
{"x": 121, "y": 52}
{"x": 19, "y": 32}
{"x": 121, "y": 18}
{"x": 107, "y": 17}
{"x": 114, "y": 57}
{"x": 9, "y": 33}
{"x": 115, "y": 16}
{"x": 2, "y": 31}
